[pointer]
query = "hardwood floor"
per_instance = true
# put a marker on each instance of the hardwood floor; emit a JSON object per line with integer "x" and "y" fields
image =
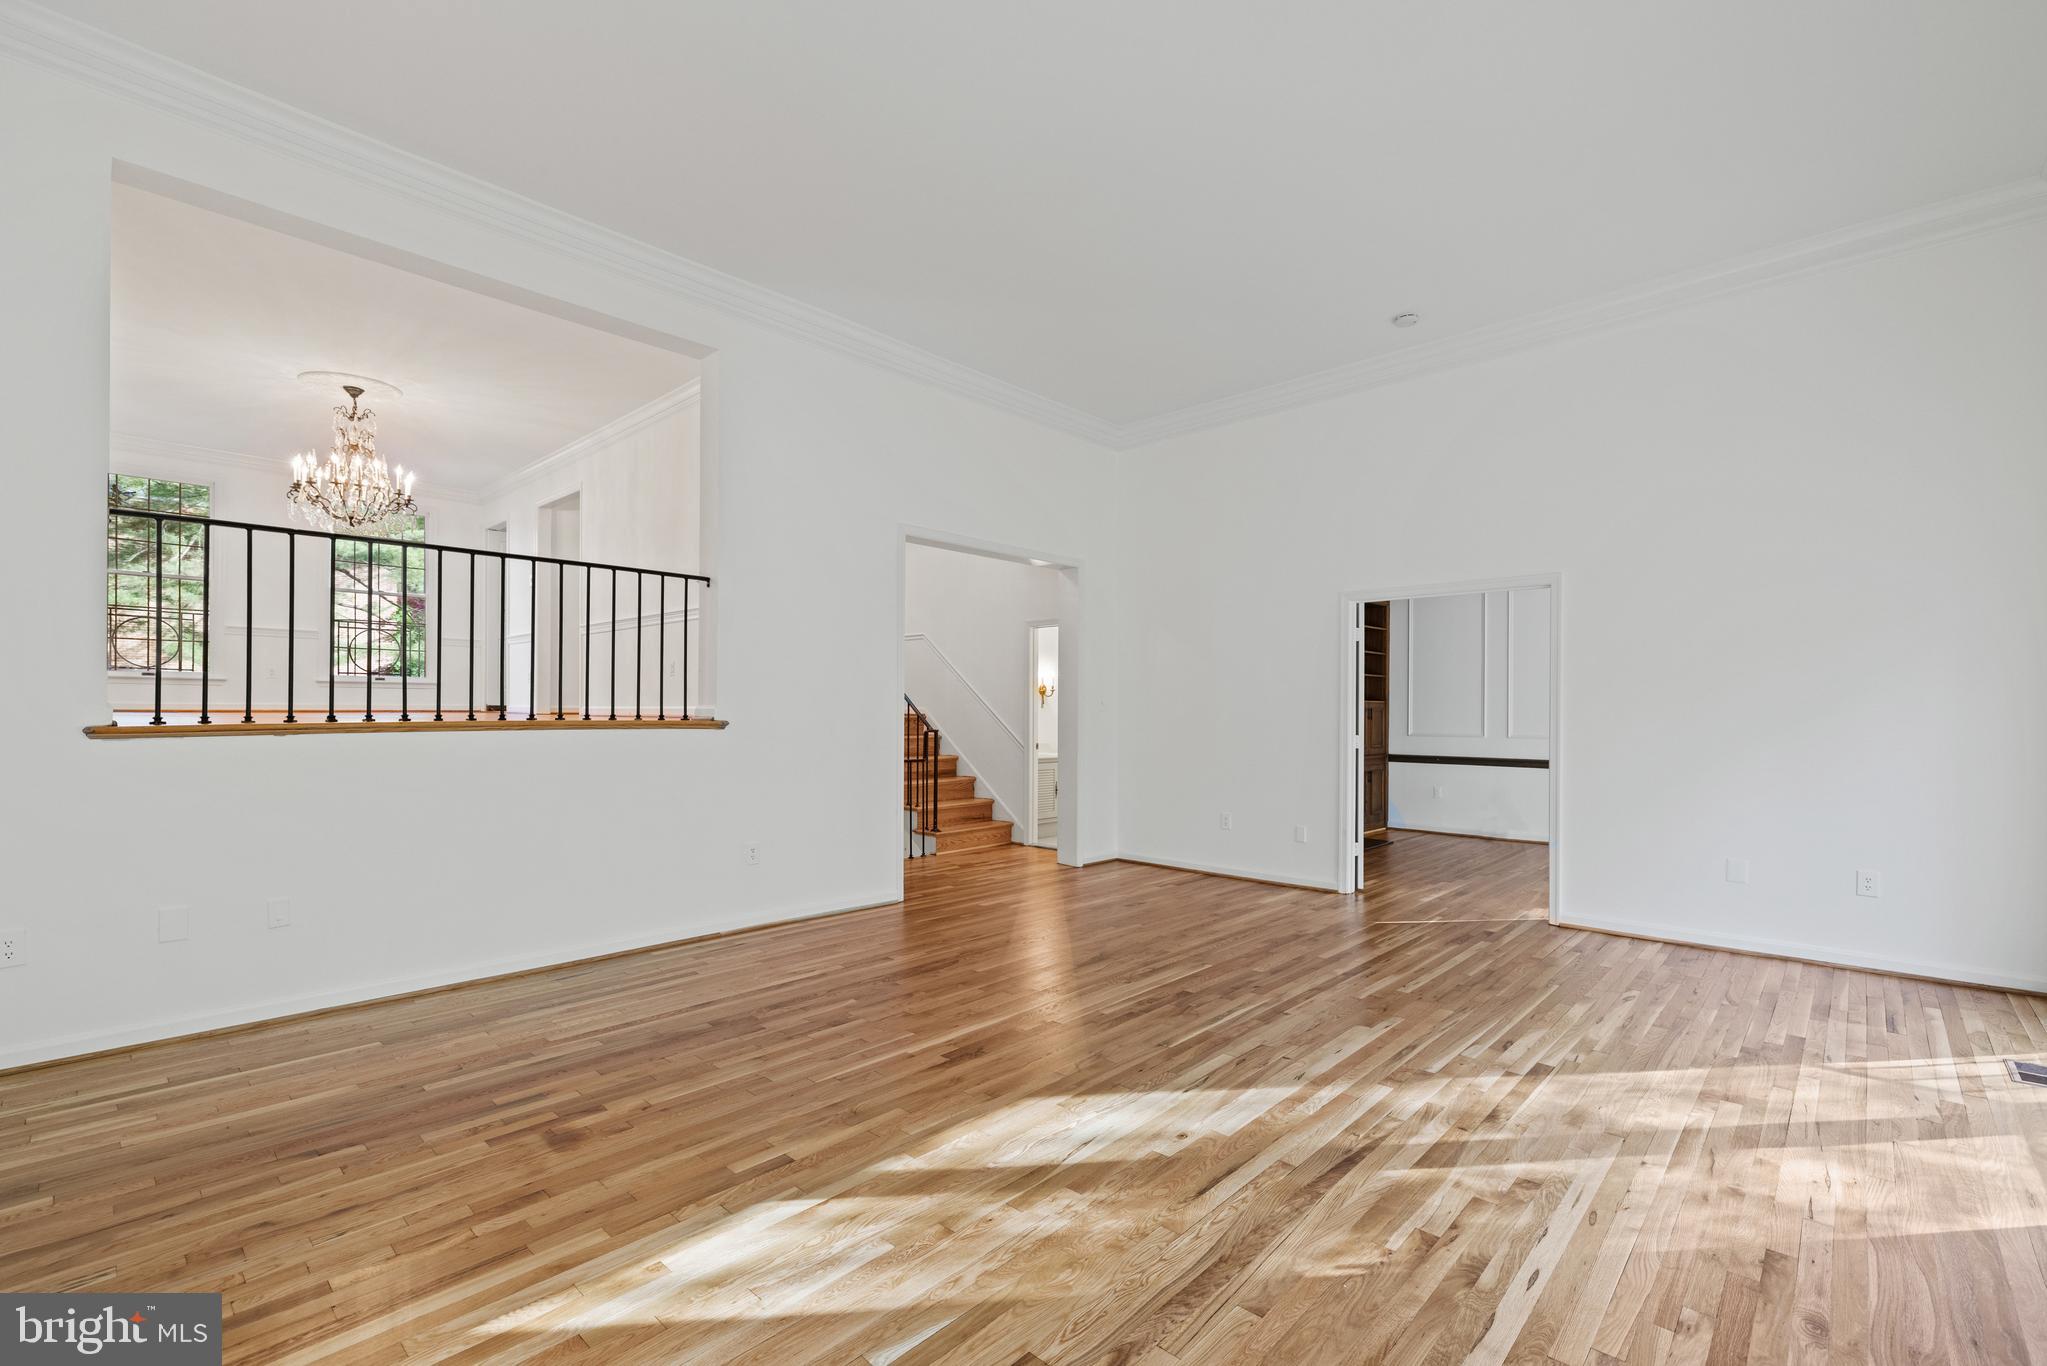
{"x": 1124, "y": 1114}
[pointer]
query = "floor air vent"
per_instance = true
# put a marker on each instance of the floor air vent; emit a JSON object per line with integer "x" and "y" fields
{"x": 2031, "y": 1073}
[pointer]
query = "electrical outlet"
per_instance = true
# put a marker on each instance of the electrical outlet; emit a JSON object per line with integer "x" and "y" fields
{"x": 1868, "y": 882}
{"x": 173, "y": 923}
{"x": 753, "y": 856}
{"x": 277, "y": 913}
{"x": 1300, "y": 834}
{"x": 1737, "y": 870}
{"x": 13, "y": 948}
{"x": 1228, "y": 822}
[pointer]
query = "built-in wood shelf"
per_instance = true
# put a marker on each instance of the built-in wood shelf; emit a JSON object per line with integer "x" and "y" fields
{"x": 1374, "y": 788}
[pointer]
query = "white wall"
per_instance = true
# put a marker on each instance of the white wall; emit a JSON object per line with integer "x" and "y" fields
{"x": 814, "y": 464}
{"x": 1803, "y": 614}
{"x": 1460, "y": 799}
{"x": 967, "y": 659}
{"x": 637, "y": 489}
{"x": 1468, "y": 676}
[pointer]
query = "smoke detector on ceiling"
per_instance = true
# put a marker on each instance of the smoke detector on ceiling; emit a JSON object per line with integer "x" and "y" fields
{"x": 1406, "y": 319}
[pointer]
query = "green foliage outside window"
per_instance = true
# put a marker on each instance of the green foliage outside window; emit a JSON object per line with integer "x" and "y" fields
{"x": 143, "y": 576}
{"x": 380, "y": 617}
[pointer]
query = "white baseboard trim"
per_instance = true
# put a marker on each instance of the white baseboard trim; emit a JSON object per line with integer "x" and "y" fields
{"x": 362, "y": 993}
{"x": 1472, "y": 834}
{"x": 1219, "y": 870}
{"x": 1958, "y": 974}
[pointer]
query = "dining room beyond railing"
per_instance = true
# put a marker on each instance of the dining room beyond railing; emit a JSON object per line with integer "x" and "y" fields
{"x": 403, "y": 622}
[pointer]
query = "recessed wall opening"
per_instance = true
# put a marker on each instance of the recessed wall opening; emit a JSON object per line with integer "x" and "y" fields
{"x": 1042, "y": 682}
{"x": 1449, "y": 728}
{"x": 496, "y": 511}
{"x": 989, "y": 711}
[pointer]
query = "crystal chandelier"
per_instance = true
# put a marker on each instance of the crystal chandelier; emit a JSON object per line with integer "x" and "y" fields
{"x": 353, "y": 487}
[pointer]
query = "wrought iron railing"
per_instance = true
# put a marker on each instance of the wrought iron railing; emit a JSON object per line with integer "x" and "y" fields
{"x": 356, "y": 646}
{"x": 920, "y": 775}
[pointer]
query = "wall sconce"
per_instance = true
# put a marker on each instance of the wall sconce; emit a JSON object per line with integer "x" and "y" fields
{"x": 1045, "y": 690}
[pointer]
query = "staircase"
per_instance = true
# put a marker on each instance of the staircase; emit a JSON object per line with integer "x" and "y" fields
{"x": 966, "y": 819}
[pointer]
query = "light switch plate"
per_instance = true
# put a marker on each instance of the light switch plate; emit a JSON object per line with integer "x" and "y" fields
{"x": 1737, "y": 870}
{"x": 173, "y": 923}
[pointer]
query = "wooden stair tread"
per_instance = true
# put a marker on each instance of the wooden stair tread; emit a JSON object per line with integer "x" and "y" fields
{"x": 965, "y": 819}
{"x": 959, "y": 823}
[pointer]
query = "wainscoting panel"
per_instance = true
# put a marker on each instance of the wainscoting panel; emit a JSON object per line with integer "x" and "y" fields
{"x": 1470, "y": 682}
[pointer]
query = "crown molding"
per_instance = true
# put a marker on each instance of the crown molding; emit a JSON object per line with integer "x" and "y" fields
{"x": 38, "y": 37}
{"x": 1946, "y": 221}
{"x": 134, "y": 446}
{"x": 674, "y": 401}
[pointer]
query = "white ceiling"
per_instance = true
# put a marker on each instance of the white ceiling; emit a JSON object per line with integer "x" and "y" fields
{"x": 1139, "y": 206}
{"x": 213, "y": 319}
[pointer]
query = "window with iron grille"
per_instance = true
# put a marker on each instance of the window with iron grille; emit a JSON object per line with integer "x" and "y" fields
{"x": 380, "y": 620}
{"x": 143, "y": 577}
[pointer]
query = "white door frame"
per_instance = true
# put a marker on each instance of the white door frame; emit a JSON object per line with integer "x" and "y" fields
{"x": 497, "y": 657}
{"x": 1072, "y": 750}
{"x": 1031, "y": 629}
{"x": 1347, "y": 846}
{"x": 553, "y": 616}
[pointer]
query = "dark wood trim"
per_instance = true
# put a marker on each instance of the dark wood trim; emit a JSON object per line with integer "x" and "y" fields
{"x": 1469, "y": 759}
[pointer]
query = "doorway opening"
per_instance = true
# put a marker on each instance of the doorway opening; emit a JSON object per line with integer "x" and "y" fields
{"x": 560, "y": 618}
{"x": 493, "y": 640}
{"x": 989, "y": 731}
{"x": 1449, "y": 731}
{"x": 1043, "y": 683}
